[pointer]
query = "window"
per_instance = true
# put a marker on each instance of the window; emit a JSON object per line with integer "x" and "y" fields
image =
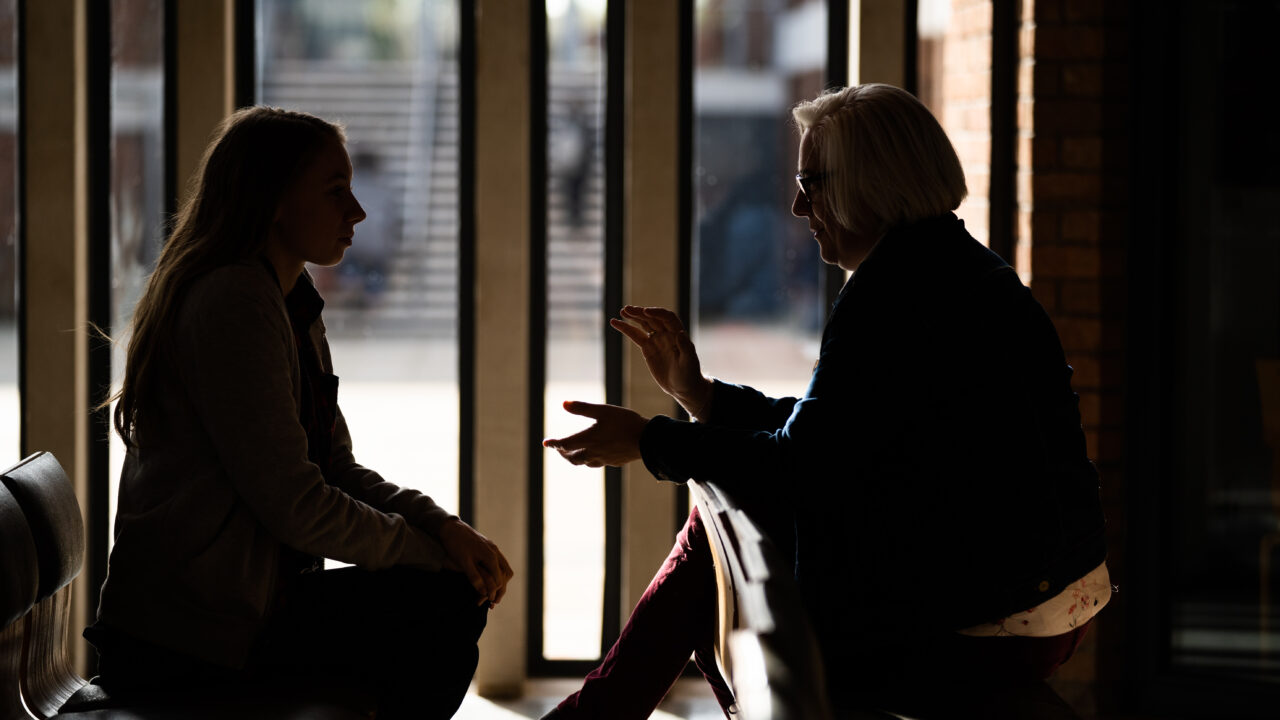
{"x": 10, "y": 410}
{"x": 954, "y": 64}
{"x": 137, "y": 185}
{"x": 1221, "y": 583}
{"x": 757, "y": 278}
{"x": 388, "y": 71}
{"x": 574, "y": 497}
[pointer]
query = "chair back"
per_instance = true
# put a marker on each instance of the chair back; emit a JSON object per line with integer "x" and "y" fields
{"x": 19, "y": 564}
{"x": 47, "y": 499}
{"x": 43, "y": 496}
{"x": 765, "y": 647}
{"x": 19, "y": 583}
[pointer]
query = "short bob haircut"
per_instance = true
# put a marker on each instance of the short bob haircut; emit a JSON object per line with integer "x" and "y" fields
{"x": 885, "y": 159}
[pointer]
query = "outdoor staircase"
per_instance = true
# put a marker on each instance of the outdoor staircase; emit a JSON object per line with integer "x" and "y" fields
{"x": 408, "y": 116}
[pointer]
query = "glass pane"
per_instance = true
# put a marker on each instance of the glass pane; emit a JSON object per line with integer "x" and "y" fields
{"x": 954, "y": 60}
{"x": 389, "y": 72}
{"x": 10, "y": 410}
{"x": 137, "y": 174}
{"x": 1223, "y": 530}
{"x": 573, "y": 497}
{"x": 757, "y": 275}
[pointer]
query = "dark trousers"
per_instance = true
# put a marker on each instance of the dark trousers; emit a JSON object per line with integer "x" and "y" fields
{"x": 406, "y": 637}
{"x": 675, "y": 618}
{"x": 409, "y": 636}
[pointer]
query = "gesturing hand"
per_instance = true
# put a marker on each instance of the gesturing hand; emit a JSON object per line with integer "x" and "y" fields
{"x": 669, "y": 354}
{"x": 613, "y": 439}
{"x": 475, "y": 556}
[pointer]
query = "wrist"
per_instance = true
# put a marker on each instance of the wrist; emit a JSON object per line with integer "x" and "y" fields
{"x": 698, "y": 404}
{"x": 451, "y": 523}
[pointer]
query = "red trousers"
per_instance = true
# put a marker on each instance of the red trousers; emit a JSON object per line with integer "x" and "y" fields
{"x": 675, "y": 618}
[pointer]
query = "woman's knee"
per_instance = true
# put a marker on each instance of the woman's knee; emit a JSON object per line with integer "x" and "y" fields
{"x": 444, "y": 604}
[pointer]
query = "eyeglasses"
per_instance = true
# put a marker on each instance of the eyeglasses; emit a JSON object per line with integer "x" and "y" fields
{"x": 806, "y": 183}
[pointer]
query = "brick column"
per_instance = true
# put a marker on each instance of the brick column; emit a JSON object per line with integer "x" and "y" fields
{"x": 965, "y": 66}
{"x": 1071, "y": 231}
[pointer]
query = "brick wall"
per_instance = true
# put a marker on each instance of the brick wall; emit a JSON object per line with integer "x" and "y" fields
{"x": 967, "y": 105}
{"x": 955, "y": 82}
{"x": 1072, "y": 222}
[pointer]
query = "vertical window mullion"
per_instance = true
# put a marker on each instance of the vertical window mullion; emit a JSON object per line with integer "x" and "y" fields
{"x": 466, "y": 264}
{"x": 615, "y": 79}
{"x": 245, "y": 61}
{"x": 684, "y": 195}
{"x": 537, "y": 309}
{"x": 837, "y": 75}
{"x": 99, "y": 129}
{"x": 20, "y": 234}
{"x": 1004, "y": 104}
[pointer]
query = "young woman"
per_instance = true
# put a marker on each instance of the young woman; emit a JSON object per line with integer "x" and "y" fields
{"x": 933, "y": 477}
{"x": 239, "y": 476}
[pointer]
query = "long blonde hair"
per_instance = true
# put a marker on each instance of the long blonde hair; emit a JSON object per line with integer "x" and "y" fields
{"x": 256, "y": 154}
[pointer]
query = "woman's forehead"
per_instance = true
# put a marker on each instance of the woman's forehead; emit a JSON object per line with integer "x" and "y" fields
{"x": 807, "y": 158}
{"x": 332, "y": 161}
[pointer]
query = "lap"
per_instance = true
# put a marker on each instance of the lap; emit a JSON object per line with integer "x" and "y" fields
{"x": 355, "y": 617}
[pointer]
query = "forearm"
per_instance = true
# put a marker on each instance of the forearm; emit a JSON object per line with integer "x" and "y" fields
{"x": 745, "y": 408}
{"x": 372, "y": 489}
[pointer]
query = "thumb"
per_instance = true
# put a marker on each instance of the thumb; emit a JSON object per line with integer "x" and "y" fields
{"x": 585, "y": 409}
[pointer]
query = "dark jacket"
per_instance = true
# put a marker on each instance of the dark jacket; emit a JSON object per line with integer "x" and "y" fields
{"x": 935, "y": 466}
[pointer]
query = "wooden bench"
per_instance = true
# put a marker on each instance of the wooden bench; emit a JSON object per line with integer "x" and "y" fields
{"x": 769, "y": 655}
{"x": 765, "y": 648}
{"x": 42, "y": 536}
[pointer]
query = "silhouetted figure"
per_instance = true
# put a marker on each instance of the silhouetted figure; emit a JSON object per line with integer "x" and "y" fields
{"x": 239, "y": 476}
{"x": 932, "y": 482}
{"x": 572, "y": 152}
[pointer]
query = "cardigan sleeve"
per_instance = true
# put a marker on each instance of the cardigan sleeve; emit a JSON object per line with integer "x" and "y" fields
{"x": 369, "y": 487}
{"x": 236, "y": 356}
{"x": 364, "y": 484}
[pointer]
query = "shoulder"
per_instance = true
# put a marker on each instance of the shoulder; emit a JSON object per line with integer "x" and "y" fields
{"x": 235, "y": 304}
{"x": 226, "y": 287}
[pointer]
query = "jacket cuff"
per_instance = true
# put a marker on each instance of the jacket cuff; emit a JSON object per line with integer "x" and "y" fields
{"x": 657, "y": 434}
{"x": 422, "y": 551}
{"x": 432, "y": 520}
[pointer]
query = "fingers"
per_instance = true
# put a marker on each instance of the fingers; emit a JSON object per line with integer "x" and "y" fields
{"x": 569, "y": 444}
{"x": 585, "y": 409}
{"x": 472, "y": 571}
{"x": 653, "y": 319}
{"x": 499, "y": 572}
{"x": 633, "y": 331}
{"x": 506, "y": 574}
{"x": 575, "y": 455}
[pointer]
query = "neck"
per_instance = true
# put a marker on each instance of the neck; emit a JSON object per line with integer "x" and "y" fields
{"x": 287, "y": 271}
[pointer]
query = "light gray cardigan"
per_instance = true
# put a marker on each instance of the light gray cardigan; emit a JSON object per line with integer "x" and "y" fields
{"x": 221, "y": 481}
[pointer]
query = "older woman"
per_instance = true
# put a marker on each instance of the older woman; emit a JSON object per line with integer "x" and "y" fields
{"x": 946, "y": 517}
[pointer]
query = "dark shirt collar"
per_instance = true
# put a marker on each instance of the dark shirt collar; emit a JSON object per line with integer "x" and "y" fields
{"x": 303, "y": 303}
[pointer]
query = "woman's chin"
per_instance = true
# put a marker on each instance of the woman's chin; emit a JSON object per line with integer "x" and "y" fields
{"x": 827, "y": 255}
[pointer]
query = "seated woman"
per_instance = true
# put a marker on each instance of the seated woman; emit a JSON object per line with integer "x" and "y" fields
{"x": 239, "y": 476}
{"x": 945, "y": 517}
